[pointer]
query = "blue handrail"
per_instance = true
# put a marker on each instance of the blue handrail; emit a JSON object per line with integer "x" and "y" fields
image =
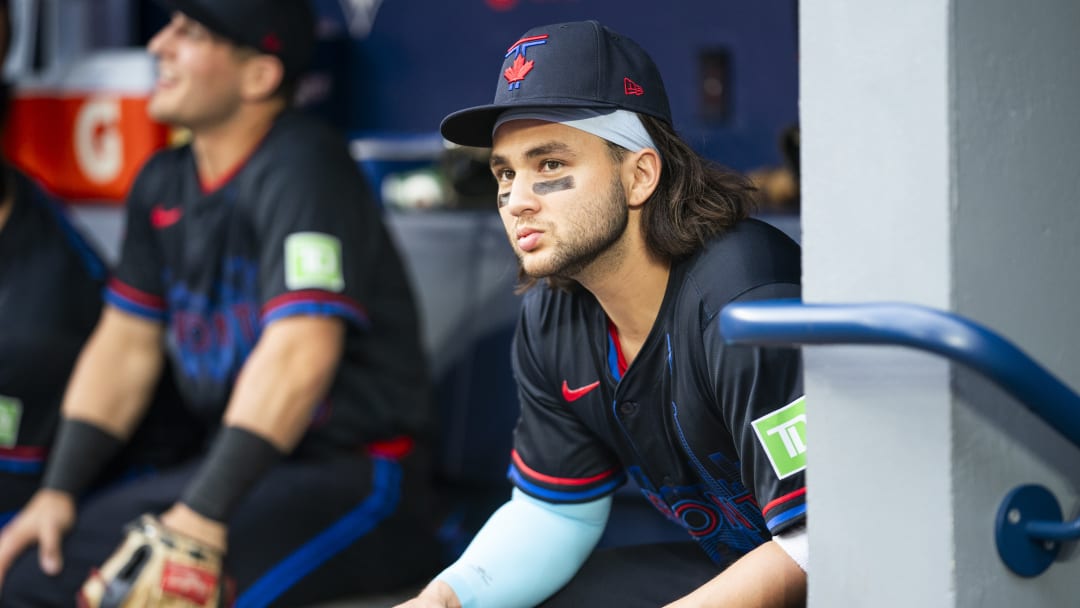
{"x": 1029, "y": 524}
{"x": 790, "y": 322}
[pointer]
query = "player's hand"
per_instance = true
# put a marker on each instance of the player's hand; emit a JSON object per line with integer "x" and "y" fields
{"x": 43, "y": 521}
{"x": 156, "y": 566}
{"x": 180, "y": 518}
{"x": 436, "y": 595}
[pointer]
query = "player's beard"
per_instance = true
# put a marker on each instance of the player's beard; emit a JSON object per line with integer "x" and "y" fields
{"x": 588, "y": 236}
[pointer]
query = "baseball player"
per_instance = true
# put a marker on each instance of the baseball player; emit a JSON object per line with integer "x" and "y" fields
{"x": 41, "y": 256}
{"x": 50, "y": 286}
{"x": 631, "y": 245}
{"x": 256, "y": 266}
{"x": 51, "y": 280}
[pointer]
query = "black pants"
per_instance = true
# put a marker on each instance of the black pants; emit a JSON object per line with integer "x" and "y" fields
{"x": 637, "y": 576}
{"x": 308, "y": 532}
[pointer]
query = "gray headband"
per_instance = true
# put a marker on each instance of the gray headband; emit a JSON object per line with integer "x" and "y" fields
{"x": 620, "y": 127}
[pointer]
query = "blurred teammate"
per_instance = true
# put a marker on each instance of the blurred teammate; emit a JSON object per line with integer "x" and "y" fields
{"x": 51, "y": 281}
{"x": 631, "y": 245}
{"x": 255, "y": 264}
{"x": 50, "y": 298}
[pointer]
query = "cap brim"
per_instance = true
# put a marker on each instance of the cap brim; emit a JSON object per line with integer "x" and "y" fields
{"x": 473, "y": 126}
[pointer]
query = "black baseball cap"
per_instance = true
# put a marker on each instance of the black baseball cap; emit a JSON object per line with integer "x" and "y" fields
{"x": 580, "y": 64}
{"x": 282, "y": 28}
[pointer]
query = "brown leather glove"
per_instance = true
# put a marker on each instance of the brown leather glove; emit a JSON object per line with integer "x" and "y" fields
{"x": 156, "y": 567}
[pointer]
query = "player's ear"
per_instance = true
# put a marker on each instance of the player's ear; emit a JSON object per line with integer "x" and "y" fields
{"x": 643, "y": 169}
{"x": 261, "y": 76}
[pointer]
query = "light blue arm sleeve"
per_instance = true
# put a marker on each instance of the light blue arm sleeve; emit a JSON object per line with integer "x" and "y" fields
{"x": 527, "y": 550}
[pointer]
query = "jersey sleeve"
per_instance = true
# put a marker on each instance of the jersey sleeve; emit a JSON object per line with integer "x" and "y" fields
{"x": 317, "y": 234}
{"x": 136, "y": 286}
{"x": 761, "y": 393}
{"x": 556, "y": 457}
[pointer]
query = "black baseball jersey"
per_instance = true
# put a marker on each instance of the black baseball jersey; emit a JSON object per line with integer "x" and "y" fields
{"x": 713, "y": 434}
{"x": 50, "y": 299}
{"x": 293, "y": 231}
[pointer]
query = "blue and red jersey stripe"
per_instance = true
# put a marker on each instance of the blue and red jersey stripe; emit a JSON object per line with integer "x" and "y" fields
{"x": 570, "y": 489}
{"x": 314, "y": 302}
{"x": 22, "y": 460}
{"x": 789, "y": 511}
{"x": 135, "y": 301}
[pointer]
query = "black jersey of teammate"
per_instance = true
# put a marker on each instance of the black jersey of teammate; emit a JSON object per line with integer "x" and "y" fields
{"x": 50, "y": 299}
{"x": 698, "y": 424}
{"x": 293, "y": 231}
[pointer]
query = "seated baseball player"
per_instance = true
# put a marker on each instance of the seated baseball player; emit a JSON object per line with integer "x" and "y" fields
{"x": 51, "y": 279}
{"x": 50, "y": 299}
{"x": 256, "y": 267}
{"x": 629, "y": 245}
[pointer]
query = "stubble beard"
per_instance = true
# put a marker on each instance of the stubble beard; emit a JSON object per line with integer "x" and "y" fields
{"x": 588, "y": 248}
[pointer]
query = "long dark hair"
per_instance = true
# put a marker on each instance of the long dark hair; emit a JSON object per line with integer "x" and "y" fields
{"x": 695, "y": 200}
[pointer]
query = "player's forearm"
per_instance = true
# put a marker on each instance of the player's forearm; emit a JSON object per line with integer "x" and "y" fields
{"x": 115, "y": 374}
{"x": 525, "y": 552}
{"x": 764, "y": 578}
{"x": 285, "y": 377}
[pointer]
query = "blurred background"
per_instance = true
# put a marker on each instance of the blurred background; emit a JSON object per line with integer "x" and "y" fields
{"x": 387, "y": 71}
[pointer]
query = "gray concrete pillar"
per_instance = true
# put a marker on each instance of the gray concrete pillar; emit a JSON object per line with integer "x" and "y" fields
{"x": 939, "y": 148}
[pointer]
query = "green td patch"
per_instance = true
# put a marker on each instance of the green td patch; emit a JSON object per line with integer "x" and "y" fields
{"x": 313, "y": 260}
{"x": 10, "y": 415}
{"x": 783, "y": 435}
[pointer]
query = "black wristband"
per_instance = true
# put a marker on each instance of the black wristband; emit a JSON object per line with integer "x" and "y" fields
{"x": 79, "y": 454}
{"x": 237, "y": 459}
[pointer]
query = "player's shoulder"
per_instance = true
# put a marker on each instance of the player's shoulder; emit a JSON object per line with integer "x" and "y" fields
{"x": 543, "y": 298}
{"x": 302, "y": 153}
{"x": 751, "y": 254}
{"x": 558, "y": 333}
{"x": 300, "y": 140}
{"x": 546, "y": 309}
{"x": 47, "y": 224}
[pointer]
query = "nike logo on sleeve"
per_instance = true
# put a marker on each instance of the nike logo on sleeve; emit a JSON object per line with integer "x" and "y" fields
{"x": 573, "y": 394}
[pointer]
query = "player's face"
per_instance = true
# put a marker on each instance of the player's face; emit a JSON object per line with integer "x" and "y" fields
{"x": 198, "y": 75}
{"x": 560, "y": 196}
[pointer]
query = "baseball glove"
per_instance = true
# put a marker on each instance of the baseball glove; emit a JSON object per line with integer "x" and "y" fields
{"x": 156, "y": 567}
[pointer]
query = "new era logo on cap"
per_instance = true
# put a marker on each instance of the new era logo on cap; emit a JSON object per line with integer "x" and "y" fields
{"x": 271, "y": 42}
{"x": 578, "y": 65}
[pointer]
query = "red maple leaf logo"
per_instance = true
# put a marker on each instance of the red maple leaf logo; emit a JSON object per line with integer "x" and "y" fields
{"x": 518, "y": 70}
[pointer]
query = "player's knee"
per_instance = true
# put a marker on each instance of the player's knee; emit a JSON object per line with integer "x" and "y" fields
{"x": 24, "y": 584}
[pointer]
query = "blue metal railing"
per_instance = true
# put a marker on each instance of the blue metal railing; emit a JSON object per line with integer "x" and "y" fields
{"x": 1029, "y": 527}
